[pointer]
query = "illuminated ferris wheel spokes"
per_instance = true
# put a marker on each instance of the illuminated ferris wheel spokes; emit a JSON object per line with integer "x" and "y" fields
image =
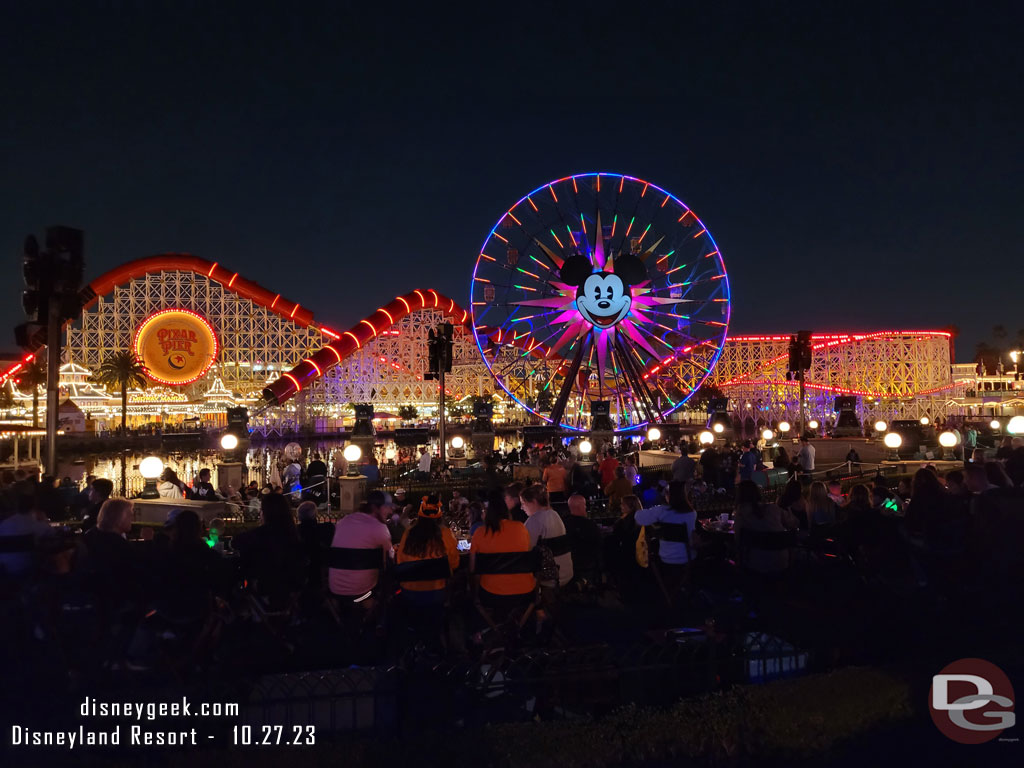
{"x": 600, "y": 287}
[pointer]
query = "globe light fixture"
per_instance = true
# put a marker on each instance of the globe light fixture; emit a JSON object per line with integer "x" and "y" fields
{"x": 994, "y": 424}
{"x": 880, "y": 426}
{"x": 812, "y": 424}
{"x": 1015, "y": 426}
{"x": 458, "y": 442}
{"x": 706, "y": 438}
{"x": 586, "y": 447}
{"x": 784, "y": 426}
{"x": 150, "y": 468}
{"x": 767, "y": 434}
{"x": 893, "y": 440}
{"x": 352, "y": 453}
{"x": 947, "y": 439}
{"x": 925, "y": 421}
{"x": 654, "y": 434}
{"x": 390, "y": 453}
{"x": 228, "y": 441}
{"x": 719, "y": 428}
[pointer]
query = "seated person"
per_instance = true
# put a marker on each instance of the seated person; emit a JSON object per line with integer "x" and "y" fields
{"x": 754, "y": 515}
{"x": 99, "y": 491}
{"x": 271, "y": 557}
{"x": 364, "y": 529}
{"x": 499, "y": 534}
{"x": 674, "y": 553}
{"x": 24, "y": 527}
{"x": 427, "y": 539}
{"x": 544, "y": 524}
{"x": 584, "y": 537}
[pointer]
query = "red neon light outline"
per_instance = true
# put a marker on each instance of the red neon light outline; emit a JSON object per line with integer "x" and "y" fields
{"x": 315, "y": 366}
{"x": 298, "y": 387}
{"x": 182, "y": 311}
{"x": 355, "y": 338}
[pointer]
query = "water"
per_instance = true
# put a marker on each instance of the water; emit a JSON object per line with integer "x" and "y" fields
{"x": 259, "y": 461}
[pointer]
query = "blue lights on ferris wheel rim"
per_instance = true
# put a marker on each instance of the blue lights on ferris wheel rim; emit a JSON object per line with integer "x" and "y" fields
{"x": 636, "y": 350}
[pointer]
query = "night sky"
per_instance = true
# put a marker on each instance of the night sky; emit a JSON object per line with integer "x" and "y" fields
{"x": 859, "y": 168}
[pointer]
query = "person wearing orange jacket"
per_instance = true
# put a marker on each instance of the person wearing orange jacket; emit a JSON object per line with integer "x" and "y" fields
{"x": 426, "y": 539}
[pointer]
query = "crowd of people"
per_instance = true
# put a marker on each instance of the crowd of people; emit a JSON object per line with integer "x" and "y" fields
{"x": 503, "y": 552}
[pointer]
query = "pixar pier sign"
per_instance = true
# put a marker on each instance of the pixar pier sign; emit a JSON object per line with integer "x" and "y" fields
{"x": 177, "y": 346}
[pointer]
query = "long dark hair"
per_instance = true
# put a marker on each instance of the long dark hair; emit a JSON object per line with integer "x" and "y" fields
{"x": 496, "y": 511}
{"x": 678, "y": 498}
{"x": 424, "y": 538}
{"x": 791, "y": 493}
{"x": 277, "y": 516}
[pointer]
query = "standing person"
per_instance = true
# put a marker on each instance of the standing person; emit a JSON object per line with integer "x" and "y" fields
{"x": 555, "y": 481}
{"x": 543, "y": 523}
{"x": 683, "y": 467}
{"x": 805, "y": 458}
{"x": 317, "y": 467}
{"x": 617, "y": 489}
{"x": 748, "y": 461}
{"x": 607, "y": 468}
{"x": 423, "y": 467}
{"x": 709, "y": 465}
{"x": 364, "y": 529}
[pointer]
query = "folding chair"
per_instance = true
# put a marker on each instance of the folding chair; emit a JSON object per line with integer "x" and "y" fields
{"x": 354, "y": 559}
{"x": 674, "y": 532}
{"x": 428, "y": 620}
{"x": 508, "y": 563}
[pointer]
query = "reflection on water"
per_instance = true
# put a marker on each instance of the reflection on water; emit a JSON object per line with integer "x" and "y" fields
{"x": 259, "y": 461}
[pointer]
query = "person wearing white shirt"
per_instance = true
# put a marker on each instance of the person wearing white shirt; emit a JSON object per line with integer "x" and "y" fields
{"x": 805, "y": 458}
{"x": 544, "y": 524}
{"x": 424, "y": 464}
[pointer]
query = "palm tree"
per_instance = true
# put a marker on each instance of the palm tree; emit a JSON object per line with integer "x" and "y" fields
{"x": 124, "y": 370}
{"x": 33, "y": 375}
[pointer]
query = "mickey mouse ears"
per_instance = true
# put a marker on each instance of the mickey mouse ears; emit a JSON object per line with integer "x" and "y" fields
{"x": 577, "y": 268}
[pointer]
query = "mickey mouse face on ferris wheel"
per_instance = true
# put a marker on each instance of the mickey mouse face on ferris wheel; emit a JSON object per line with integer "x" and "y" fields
{"x": 603, "y": 298}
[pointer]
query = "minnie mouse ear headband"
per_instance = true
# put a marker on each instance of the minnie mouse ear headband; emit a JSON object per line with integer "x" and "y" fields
{"x": 430, "y": 506}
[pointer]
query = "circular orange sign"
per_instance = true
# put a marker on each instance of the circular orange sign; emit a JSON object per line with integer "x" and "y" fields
{"x": 177, "y": 346}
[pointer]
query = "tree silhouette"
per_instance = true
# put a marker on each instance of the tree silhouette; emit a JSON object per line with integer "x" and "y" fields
{"x": 122, "y": 370}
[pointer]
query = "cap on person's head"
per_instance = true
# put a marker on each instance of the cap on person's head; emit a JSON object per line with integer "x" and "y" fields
{"x": 172, "y": 516}
{"x": 377, "y": 499}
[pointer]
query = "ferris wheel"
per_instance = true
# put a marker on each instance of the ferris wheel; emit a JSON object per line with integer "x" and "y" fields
{"x": 600, "y": 301}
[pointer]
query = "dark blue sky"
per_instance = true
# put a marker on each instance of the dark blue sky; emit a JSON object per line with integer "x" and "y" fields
{"x": 860, "y": 168}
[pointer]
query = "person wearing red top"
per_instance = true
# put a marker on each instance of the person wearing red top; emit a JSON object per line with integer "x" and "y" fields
{"x": 555, "y": 480}
{"x": 607, "y": 469}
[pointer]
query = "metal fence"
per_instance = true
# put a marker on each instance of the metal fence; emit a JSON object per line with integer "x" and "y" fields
{"x": 555, "y": 682}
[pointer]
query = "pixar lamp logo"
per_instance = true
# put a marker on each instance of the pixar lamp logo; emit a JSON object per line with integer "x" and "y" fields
{"x": 603, "y": 298}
